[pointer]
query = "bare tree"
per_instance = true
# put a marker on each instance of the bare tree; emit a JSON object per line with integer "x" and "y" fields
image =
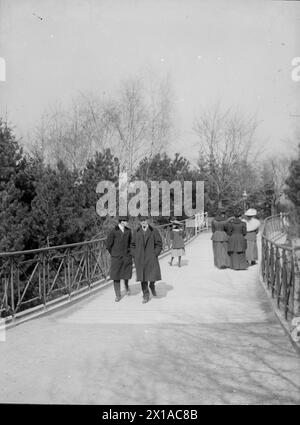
{"x": 278, "y": 168}
{"x": 128, "y": 118}
{"x": 226, "y": 147}
{"x": 141, "y": 119}
{"x": 161, "y": 122}
{"x": 135, "y": 123}
{"x": 73, "y": 134}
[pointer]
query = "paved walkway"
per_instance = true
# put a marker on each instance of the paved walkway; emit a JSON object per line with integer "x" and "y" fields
{"x": 210, "y": 337}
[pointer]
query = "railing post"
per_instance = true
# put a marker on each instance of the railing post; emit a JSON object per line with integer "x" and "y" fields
{"x": 263, "y": 255}
{"x": 40, "y": 277}
{"x": 277, "y": 276}
{"x": 44, "y": 279}
{"x": 284, "y": 284}
{"x": 272, "y": 270}
{"x": 88, "y": 266}
{"x": 267, "y": 265}
{"x": 5, "y": 295}
{"x": 296, "y": 292}
{"x": 12, "y": 292}
{"x": 68, "y": 273}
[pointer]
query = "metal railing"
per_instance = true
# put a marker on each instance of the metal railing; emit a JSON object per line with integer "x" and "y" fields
{"x": 279, "y": 266}
{"x": 35, "y": 278}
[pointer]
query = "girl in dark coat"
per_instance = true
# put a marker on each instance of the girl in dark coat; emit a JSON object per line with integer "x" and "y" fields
{"x": 237, "y": 243}
{"x": 177, "y": 238}
{"x": 118, "y": 244}
{"x": 220, "y": 241}
{"x": 146, "y": 245}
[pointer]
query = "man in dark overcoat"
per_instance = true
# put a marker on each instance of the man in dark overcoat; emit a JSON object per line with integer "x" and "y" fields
{"x": 146, "y": 245}
{"x": 118, "y": 244}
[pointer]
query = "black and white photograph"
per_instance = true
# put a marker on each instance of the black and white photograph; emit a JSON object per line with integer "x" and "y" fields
{"x": 149, "y": 205}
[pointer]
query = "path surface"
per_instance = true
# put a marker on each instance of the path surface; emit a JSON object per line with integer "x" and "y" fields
{"x": 210, "y": 337}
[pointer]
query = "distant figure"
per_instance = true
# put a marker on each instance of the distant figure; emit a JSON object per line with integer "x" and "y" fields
{"x": 118, "y": 245}
{"x": 220, "y": 240}
{"x": 252, "y": 226}
{"x": 237, "y": 243}
{"x": 177, "y": 238}
{"x": 146, "y": 245}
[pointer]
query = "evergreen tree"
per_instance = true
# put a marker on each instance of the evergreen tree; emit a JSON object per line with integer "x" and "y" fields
{"x": 14, "y": 195}
{"x": 292, "y": 191}
{"x": 162, "y": 167}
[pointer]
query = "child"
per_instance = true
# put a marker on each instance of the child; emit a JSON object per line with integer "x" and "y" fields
{"x": 177, "y": 237}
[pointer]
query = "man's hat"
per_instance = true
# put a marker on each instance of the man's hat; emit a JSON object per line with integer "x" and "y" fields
{"x": 143, "y": 217}
{"x": 123, "y": 218}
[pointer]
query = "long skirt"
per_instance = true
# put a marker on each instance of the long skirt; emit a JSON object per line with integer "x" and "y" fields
{"x": 251, "y": 251}
{"x": 238, "y": 260}
{"x": 221, "y": 258}
{"x": 177, "y": 252}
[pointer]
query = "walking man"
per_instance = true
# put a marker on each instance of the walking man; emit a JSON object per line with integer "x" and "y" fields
{"x": 146, "y": 245}
{"x": 118, "y": 245}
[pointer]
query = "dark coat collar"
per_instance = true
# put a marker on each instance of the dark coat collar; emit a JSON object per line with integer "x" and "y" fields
{"x": 149, "y": 227}
{"x": 118, "y": 228}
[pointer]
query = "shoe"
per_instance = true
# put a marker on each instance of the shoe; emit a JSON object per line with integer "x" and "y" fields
{"x": 153, "y": 292}
{"x": 128, "y": 292}
{"x": 117, "y": 299}
{"x": 145, "y": 300}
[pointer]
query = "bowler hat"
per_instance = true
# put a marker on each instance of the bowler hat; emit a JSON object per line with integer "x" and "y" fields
{"x": 143, "y": 217}
{"x": 123, "y": 218}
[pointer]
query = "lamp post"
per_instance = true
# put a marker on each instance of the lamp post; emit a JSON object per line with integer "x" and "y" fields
{"x": 245, "y": 196}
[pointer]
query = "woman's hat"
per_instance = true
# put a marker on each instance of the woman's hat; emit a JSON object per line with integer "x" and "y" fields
{"x": 251, "y": 212}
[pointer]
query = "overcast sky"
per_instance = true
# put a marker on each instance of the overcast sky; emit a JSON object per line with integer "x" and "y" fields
{"x": 235, "y": 52}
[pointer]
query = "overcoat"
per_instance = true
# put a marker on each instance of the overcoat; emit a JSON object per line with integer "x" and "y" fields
{"x": 219, "y": 227}
{"x": 118, "y": 245}
{"x": 145, "y": 249}
{"x": 220, "y": 245}
{"x": 237, "y": 231}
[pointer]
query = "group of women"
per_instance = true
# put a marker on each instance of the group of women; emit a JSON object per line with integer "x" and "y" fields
{"x": 234, "y": 239}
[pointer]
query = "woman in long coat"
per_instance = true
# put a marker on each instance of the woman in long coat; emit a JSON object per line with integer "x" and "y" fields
{"x": 237, "y": 243}
{"x": 220, "y": 241}
{"x": 146, "y": 245}
{"x": 118, "y": 244}
{"x": 252, "y": 225}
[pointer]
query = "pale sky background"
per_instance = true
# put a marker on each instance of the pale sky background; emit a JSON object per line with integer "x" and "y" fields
{"x": 235, "y": 52}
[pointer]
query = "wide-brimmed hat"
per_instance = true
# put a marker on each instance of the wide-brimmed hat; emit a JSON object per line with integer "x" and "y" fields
{"x": 251, "y": 212}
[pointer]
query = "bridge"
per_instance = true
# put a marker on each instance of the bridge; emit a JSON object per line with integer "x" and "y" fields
{"x": 210, "y": 336}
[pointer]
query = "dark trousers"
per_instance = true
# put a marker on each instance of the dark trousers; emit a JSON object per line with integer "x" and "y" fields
{"x": 145, "y": 288}
{"x": 117, "y": 286}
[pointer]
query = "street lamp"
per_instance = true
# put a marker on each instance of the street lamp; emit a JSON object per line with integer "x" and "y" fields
{"x": 245, "y": 196}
